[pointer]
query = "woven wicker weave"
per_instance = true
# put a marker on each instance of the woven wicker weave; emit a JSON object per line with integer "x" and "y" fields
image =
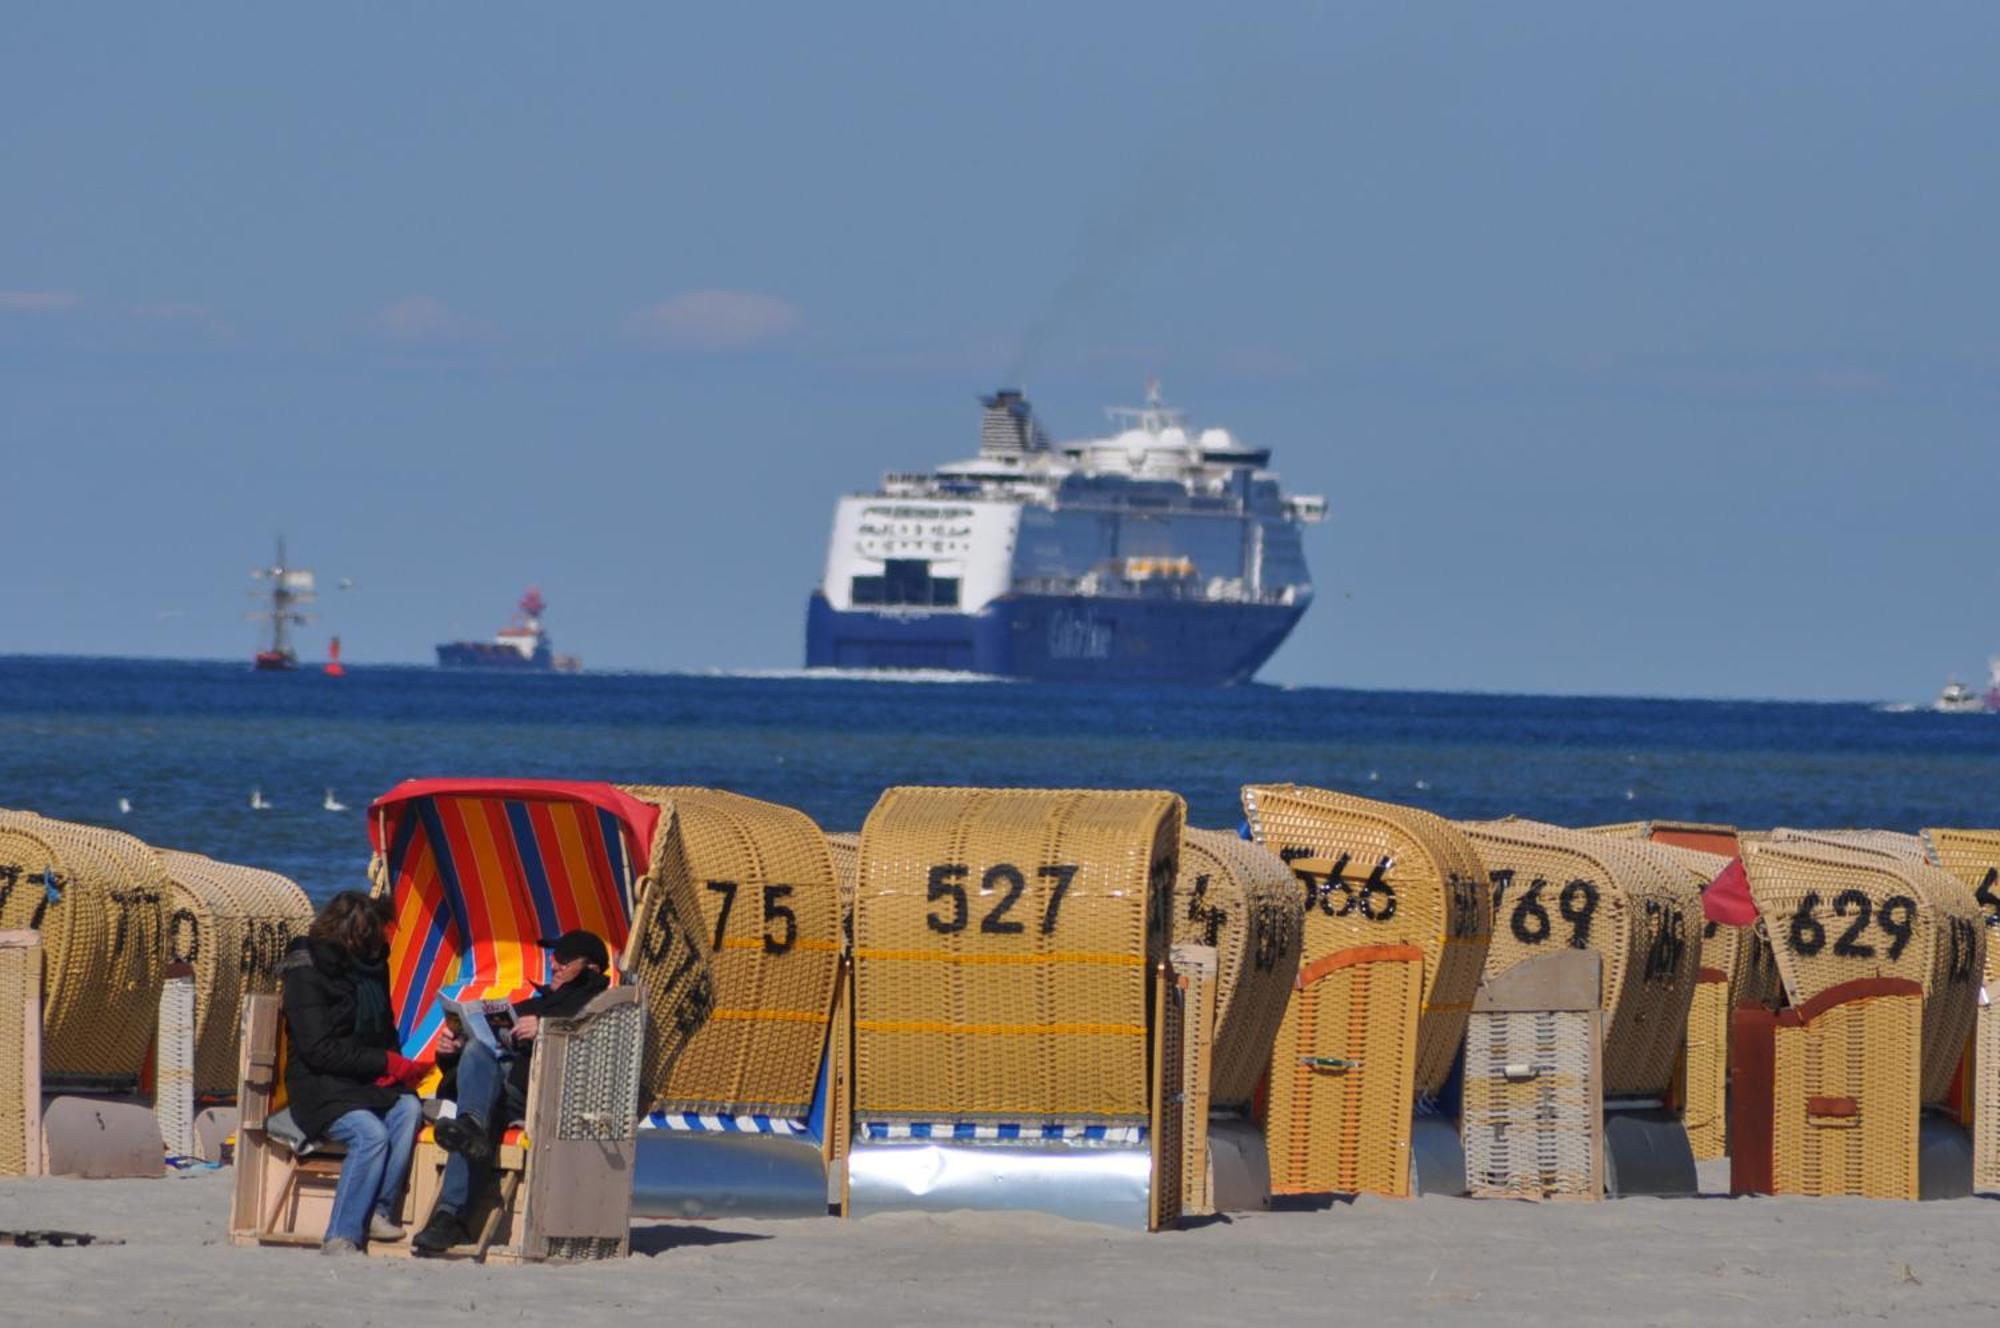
{"x": 20, "y": 1053}
{"x": 1887, "y": 843}
{"x": 1846, "y": 1102}
{"x": 231, "y": 924}
{"x": 1631, "y": 904}
{"x": 1004, "y": 942}
{"x": 98, "y": 897}
{"x": 1240, "y": 899}
{"x": 1343, "y": 1074}
{"x": 1532, "y": 1120}
{"x": 764, "y": 881}
{"x": 1973, "y": 856}
{"x": 1839, "y": 914}
{"x": 1403, "y": 877}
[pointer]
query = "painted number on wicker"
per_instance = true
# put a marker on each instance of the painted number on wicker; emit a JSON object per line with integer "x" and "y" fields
{"x": 183, "y": 937}
{"x": 1530, "y": 923}
{"x": 1894, "y": 917}
{"x": 1667, "y": 944}
{"x": 1336, "y": 895}
{"x": 1988, "y": 897}
{"x": 947, "y": 884}
{"x": 51, "y": 883}
{"x": 1266, "y": 940}
{"x": 778, "y": 917}
{"x": 264, "y": 944}
{"x": 658, "y": 943}
{"x": 138, "y": 921}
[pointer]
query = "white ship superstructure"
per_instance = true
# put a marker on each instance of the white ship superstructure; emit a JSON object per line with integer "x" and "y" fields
{"x": 1154, "y": 552}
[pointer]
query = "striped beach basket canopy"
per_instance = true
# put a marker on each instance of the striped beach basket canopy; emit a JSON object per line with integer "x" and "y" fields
{"x": 479, "y": 870}
{"x": 1838, "y": 912}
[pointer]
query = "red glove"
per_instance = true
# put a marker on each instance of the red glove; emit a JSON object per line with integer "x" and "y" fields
{"x": 404, "y": 1072}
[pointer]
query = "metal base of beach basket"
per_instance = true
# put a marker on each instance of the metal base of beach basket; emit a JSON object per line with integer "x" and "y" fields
{"x": 1944, "y": 1158}
{"x": 1088, "y": 1183}
{"x": 98, "y": 1138}
{"x": 728, "y": 1174}
{"x": 1437, "y": 1156}
{"x": 1239, "y": 1169}
{"x": 1647, "y": 1151}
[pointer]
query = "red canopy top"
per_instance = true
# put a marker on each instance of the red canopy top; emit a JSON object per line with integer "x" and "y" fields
{"x": 638, "y": 817}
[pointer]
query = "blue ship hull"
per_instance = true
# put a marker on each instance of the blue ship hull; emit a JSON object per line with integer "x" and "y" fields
{"x": 1059, "y": 638}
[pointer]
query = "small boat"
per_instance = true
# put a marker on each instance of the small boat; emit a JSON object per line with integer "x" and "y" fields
{"x": 257, "y": 803}
{"x": 283, "y": 606}
{"x": 523, "y": 645}
{"x": 1993, "y": 684}
{"x": 1958, "y": 699}
{"x": 332, "y": 804}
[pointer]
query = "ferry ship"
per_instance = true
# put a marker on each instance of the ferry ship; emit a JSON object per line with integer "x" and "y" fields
{"x": 522, "y": 645}
{"x": 1156, "y": 554}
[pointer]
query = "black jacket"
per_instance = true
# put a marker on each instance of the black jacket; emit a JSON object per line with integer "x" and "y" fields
{"x": 340, "y": 1030}
{"x": 564, "y": 1002}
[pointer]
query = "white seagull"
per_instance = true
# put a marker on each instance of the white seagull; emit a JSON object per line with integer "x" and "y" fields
{"x": 124, "y": 806}
{"x": 332, "y": 803}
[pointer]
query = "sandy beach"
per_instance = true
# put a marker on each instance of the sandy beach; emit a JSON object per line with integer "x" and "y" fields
{"x": 1644, "y": 1261}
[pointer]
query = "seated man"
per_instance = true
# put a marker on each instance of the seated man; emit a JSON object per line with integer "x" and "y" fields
{"x": 492, "y": 1090}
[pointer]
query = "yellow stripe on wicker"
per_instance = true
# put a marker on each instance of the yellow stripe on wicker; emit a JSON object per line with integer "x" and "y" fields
{"x": 1014, "y": 881}
{"x": 761, "y": 881}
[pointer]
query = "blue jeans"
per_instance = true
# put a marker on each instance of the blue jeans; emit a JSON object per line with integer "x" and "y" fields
{"x": 377, "y": 1164}
{"x": 484, "y": 1090}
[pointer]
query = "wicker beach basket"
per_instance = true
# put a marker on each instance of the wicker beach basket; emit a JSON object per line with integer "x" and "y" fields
{"x": 1005, "y": 944}
{"x": 1838, "y": 914}
{"x": 845, "y": 846}
{"x": 764, "y": 882}
{"x": 231, "y": 925}
{"x": 1638, "y": 909}
{"x": 1240, "y": 899}
{"x": 1396, "y": 926}
{"x": 99, "y": 899}
{"x": 1404, "y": 877}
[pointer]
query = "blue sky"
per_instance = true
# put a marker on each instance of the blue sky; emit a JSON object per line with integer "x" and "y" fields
{"x": 1648, "y": 351}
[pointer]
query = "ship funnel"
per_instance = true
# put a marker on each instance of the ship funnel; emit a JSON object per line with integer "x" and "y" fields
{"x": 1008, "y": 427}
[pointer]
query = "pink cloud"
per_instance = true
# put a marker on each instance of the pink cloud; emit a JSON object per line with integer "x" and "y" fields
{"x": 38, "y": 302}
{"x": 427, "y": 320}
{"x": 715, "y": 320}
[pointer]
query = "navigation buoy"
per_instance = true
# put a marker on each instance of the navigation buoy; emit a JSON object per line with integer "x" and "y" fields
{"x": 333, "y": 665}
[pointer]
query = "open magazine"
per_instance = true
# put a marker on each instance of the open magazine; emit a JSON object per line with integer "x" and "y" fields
{"x": 487, "y": 1021}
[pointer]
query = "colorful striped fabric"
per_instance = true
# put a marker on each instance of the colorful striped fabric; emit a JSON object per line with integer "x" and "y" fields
{"x": 973, "y": 1132}
{"x": 479, "y": 870}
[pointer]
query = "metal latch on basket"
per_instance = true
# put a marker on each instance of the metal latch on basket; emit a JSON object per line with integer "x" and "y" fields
{"x": 1515, "y": 1072}
{"x": 1329, "y": 1062}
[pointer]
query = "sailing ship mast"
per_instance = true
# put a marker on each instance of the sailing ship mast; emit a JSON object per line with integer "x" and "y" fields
{"x": 284, "y": 605}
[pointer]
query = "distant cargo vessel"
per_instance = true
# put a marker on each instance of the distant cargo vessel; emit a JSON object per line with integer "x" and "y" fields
{"x": 1156, "y": 554}
{"x": 523, "y": 645}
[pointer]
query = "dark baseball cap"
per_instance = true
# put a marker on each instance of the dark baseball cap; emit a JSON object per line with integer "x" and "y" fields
{"x": 577, "y": 945}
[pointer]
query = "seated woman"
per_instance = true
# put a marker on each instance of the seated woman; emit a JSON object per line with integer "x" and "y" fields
{"x": 491, "y": 1089}
{"x": 346, "y": 1077}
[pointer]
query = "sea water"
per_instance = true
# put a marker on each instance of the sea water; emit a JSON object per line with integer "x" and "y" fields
{"x": 186, "y": 743}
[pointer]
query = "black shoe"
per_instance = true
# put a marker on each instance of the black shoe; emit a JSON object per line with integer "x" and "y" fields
{"x": 444, "y": 1230}
{"x": 464, "y": 1134}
